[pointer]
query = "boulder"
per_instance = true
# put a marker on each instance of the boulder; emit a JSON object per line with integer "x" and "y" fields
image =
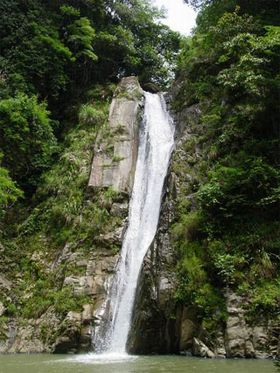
{"x": 201, "y": 350}
{"x": 188, "y": 329}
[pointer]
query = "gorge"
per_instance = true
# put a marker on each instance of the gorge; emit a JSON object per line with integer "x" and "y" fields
{"x": 158, "y": 324}
{"x": 124, "y": 232}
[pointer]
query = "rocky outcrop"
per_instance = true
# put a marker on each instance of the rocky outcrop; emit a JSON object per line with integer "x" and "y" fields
{"x": 54, "y": 331}
{"x": 165, "y": 327}
{"x": 245, "y": 340}
{"x": 153, "y": 329}
{"x": 200, "y": 349}
{"x": 160, "y": 324}
{"x": 83, "y": 272}
{"x": 115, "y": 151}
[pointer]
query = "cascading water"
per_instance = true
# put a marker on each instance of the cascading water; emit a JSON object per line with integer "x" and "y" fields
{"x": 155, "y": 147}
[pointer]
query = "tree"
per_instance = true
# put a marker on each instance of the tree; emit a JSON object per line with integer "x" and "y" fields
{"x": 229, "y": 68}
{"x": 9, "y": 192}
{"x": 26, "y": 137}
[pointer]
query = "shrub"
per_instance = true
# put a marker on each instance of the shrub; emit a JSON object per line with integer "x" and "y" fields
{"x": 89, "y": 115}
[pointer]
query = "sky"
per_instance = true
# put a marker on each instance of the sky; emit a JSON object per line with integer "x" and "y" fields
{"x": 180, "y": 17}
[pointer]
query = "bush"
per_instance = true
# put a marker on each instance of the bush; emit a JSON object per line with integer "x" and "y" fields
{"x": 26, "y": 137}
{"x": 9, "y": 193}
{"x": 90, "y": 115}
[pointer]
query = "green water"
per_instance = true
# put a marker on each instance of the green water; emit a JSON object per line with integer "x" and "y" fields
{"x": 149, "y": 364}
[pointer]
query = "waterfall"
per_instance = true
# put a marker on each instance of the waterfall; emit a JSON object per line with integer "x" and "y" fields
{"x": 155, "y": 147}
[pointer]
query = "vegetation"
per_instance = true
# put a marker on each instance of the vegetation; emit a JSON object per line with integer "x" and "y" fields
{"x": 229, "y": 236}
{"x": 52, "y": 52}
{"x": 59, "y": 64}
{"x": 63, "y": 215}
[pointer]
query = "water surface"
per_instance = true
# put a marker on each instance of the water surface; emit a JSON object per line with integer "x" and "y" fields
{"x": 44, "y": 363}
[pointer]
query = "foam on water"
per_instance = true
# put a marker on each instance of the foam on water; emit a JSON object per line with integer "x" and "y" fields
{"x": 105, "y": 358}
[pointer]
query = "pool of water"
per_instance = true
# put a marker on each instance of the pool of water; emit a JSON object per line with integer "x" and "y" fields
{"x": 44, "y": 363}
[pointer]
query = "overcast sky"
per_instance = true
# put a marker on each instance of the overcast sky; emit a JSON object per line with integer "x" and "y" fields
{"x": 180, "y": 17}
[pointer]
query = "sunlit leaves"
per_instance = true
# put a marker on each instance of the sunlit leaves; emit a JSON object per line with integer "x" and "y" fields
{"x": 81, "y": 38}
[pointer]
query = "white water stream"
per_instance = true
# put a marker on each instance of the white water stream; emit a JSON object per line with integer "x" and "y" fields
{"x": 155, "y": 147}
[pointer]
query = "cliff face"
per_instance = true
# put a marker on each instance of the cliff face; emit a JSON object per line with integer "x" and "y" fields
{"x": 77, "y": 274}
{"x": 162, "y": 322}
{"x": 80, "y": 274}
{"x": 114, "y": 162}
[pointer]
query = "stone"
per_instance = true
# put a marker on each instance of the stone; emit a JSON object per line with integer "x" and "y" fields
{"x": 200, "y": 349}
{"x": 120, "y": 209}
{"x": 2, "y": 309}
{"x": 154, "y": 328}
{"x": 5, "y": 283}
{"x": 220, "y": 350}
{"x": 249, "y": 349}
{"x": 112, "y": 238}
{"x": 87, "y": 313}
{"x": 93, "y": 269}
{"x": 261, "y": 341}
{"x": 188, "y": 329}
{"x": 117, "y": 169}
{"x": 74, "y": 317}
{"x": 85, "y": 342}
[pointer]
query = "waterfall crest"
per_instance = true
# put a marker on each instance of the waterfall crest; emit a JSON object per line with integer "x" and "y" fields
{"x": 155, "y": 147}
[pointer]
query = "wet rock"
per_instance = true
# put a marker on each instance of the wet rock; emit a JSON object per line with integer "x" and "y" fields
{"x": 238, "y": 343}
{"x": 220, "y": 350}
{"x": 88, "y": 272}
{"x": 87, "y": 314}
{"x": 154, "y": 330}
{"x": 158, "y": 326}
{"x": 201, "y": 350}
{"x": 188, "y": 328}
{"x": 112, "y": 238}
{"x": 85, "y": 343}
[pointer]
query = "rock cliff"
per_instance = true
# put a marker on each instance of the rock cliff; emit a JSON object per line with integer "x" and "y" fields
{"x": 115, "y": 151}
{"x": 163, "y": 324}
{"x": 83, "y": 273}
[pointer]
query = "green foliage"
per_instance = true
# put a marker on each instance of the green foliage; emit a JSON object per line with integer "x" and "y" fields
{"x": 88, "y": 114}
{"x": 59, "y": 64}
{"x": 81, "y": 36}
{"x": 52, "y": 52}
{"x": 229, "y": 235}
{"x": 42, "y": 295}
{"x": 26, "y": 137}
{"x": 195, "y": 286}
{"x": 265, "y": 299}
{"x": 9, "y": 192}
{"x": 231, "y": 189}
{"x": 188, "y": 228}
{"x": 64, "y": 212}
